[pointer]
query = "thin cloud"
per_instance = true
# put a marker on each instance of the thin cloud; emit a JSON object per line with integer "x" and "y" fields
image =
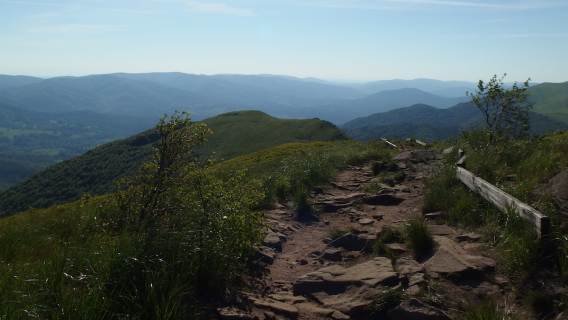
{"x": 417, "y": 4}
{"x": 76, "y": 28}
{"x": 217, "y": 8}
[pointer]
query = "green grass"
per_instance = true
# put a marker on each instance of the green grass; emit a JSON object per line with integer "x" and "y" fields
{"x": 86, "y": 260}
{"x": 487, "y": 311}
{"x": 418, "y": 237}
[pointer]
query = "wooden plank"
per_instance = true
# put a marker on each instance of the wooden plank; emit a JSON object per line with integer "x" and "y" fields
{"x": 422, "y": 143}
{"x": 389, "y": 143}
{"x": 505, "y": 201}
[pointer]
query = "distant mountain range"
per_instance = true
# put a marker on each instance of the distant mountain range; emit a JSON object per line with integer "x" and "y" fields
{"x": 153, "y": 94}
{"x": 48, "y": 120}
{"x": 430, "y": 123}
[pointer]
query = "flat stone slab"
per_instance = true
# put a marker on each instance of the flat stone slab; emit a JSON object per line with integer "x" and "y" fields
{"x": 452, "y": 261}
{"x": 365, "y": 221}
{"x": 337, "y": 279}
{"x": 414, "y": 309}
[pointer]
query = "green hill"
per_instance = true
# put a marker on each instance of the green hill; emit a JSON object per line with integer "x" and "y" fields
{"x": 234, "y": 134}
{"x": 551, "y": 99}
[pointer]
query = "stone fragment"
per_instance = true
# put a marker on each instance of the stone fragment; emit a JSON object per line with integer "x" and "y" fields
{"x": 332, "y": 254}
{"x": 453, "y": 261}
{"x": 276, "y": 306}
{"x": 414, "y": 309}
{"x": 335, "y": 278}
{"x": 231, "y": 313}
{"x": 406, "y": 266}
{"x": 470, "y": 237}
{"x": 365, "y": 221}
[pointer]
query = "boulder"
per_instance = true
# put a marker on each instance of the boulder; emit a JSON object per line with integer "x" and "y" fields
{"x": 441, "y": 230}
{"x": 275, "y": 306}
{"x": 230, "y": 313}
{"x": 382, "y": 200}
{"x": 414, "y": 309}
{"x": 452, "y": 261}
{"x": 396, "y": 248}
{"x": 557, "y": 188}
{"x": 469, "y": 237}
{"x": 265, "y": 255}
{"x": 407, "y": 266}
{"x": 365, "y": 221}
{"x": 337, "y": 279}
{"x": 274, "y": 240}
{"x": 332, "y": 254}
{"x": 355, "y": 242}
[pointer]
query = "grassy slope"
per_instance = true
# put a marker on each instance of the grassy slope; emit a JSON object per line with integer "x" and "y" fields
{"x": 94, "y": 172}
{"x": 59, "y": 261}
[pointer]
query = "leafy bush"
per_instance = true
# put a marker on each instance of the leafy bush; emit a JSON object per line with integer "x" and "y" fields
{"x": 418, "y": 237}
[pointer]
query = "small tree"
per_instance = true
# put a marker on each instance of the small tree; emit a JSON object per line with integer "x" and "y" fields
{"x": 505, "y": 110}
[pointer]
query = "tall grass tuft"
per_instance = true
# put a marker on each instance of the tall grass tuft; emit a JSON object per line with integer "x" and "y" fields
{"x": 418, "y": 237}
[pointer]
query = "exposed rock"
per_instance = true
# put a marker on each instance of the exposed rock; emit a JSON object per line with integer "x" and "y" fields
{"x": 265, "y": 255}
{"x": 416, "y": 279}
{"x": 355, "y": 242}
{"x": 332, "y": 254}
{"x": 382, "y": 200}
{"x": 406, "y": 266}
{"x": 557, "y": 188}
{"x": 453, "y": 261}
{"x": 231, "y": 313}
{"x": 396, "y": 248}
{"x": 337, "y": 279}
{"x": 415, "y": 309}
{"x": 339, "y": 316}
{"x": 471, "y": 237}
{"x": 274, "y": 240}
{"x": 447, "y": 151}
{"x": 415, "y": 156}
{"x": 441, "y": 230}
{"x": 287, "y": 298}
{"x": 311, "y": 308}
{"x": 276, "y": 306}
{"x": 334, "y": 206}
{"x": 365, "y": 221}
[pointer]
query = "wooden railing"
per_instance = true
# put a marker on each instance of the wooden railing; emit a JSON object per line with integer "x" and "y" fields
{"x": 504, "y": 201}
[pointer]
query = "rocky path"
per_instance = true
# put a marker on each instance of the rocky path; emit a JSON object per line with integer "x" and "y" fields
{"x": 326, "y": 269}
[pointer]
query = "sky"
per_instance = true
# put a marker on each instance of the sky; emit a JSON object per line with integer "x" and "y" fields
{"x": 349, "y": 40}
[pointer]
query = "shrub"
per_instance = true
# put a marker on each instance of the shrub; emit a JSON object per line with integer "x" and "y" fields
{"x": 418, "y": 237}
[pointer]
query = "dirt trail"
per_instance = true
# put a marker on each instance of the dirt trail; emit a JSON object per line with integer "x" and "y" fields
{"x": 308, "y": 276}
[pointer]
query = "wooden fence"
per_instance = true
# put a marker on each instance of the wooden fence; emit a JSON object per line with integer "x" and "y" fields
{"x": 505, "y": 201}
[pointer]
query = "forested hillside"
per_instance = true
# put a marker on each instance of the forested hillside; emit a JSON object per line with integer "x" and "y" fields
{"x": 94, "y": 172}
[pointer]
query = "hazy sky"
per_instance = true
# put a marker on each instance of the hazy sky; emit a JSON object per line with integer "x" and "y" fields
{"x": 333, "y": 39}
